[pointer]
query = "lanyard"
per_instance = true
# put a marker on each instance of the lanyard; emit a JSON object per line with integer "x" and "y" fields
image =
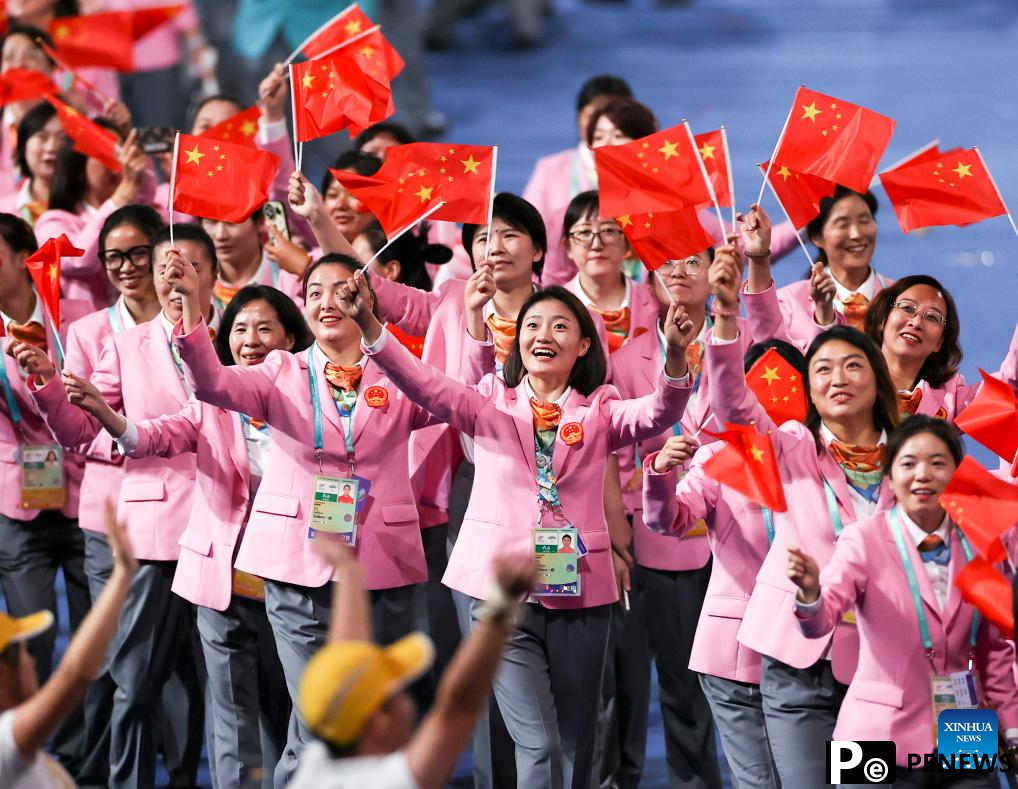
{"x": 768, "y": 519}
{"x": 275, "y": 274}
{"x": 114, "y": 317}
{"x": 832, "y": 509}
{"x": 12, "y": 404}
{"x": 913, "y": 587}
{"x": 316, "y": 407}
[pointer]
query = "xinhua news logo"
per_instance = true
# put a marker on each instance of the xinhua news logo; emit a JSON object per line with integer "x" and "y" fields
{"x": 861, "y": 762}
{"x": 968, "y": 739}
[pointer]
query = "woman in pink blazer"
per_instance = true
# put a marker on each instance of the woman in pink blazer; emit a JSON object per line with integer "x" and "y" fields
{"x": 232, "y": 452}
{"x": 830, "y": 469}
{"x": 38, "y": 135}
{"x": 904, "y": 641}
{"x": 542, "y": 435}
{"x": 597, "y": 246}
{"x": 84, "y": 193}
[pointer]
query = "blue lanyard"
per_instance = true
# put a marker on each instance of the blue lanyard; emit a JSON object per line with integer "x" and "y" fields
{"x": 114, "y": 318}
{"x": 913, "y": 586}
{"x": 275, "y": 274}
{"x": 832, "y": 510}
{"x": 768, "y": 519}
{"x": 316, "y": 407}
{"x": 12, "y": 404}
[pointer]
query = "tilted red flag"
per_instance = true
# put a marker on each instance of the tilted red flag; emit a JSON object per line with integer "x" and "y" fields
{"x": 834, "y": 139}
{"x": 660, "y": 236}
{"x": 44, "y": 266}
{"x": 714, "y": 152}
{"x": 90, "y": 138}
{"x": 659, "y": 172}
{"x": 19, "y": 84}
{"x": 417, "y": 176}
{"x": 215, "y": 179}
{"x": 349, "y": 22}
{"x": 748, "y": 465}
{"x": 983, "y": 505}
{"x": 108, "y": 38}
{"x": 951, "y": 189}
{"x": 240, "y": 128}
{"x": 778, "y": 387}
{"x": 983, "y": 586}
{"x": 799, "y": 194}
{"x": 991, "y": 418}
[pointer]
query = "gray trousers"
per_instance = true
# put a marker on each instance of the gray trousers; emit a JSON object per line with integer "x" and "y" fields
{"x": 249, "y": 707}
{"x": 548, "y": 688}
{"x": 738, "y": 714}
{"x": 800, "y": 707}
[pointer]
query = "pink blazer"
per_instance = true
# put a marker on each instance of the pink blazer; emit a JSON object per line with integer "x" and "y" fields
{"x": 9, "y": 176}
{"x": 738, "y": 540}
{"x": 767, "y": 319}
{"x": 136, "y": 375}
{"x": 797, "y": 309}
{"x": 83, "y": 277}
{"x": 889, "y": 697}
{"x": 643, "y": 307}
{"x": 498, "y": 418}
{"x": 768, "y": 625}
{"x": 276, "y": 543}
{"x": 34, "y": 428}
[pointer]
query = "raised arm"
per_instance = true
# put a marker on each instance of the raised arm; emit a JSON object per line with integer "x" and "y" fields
{"x": 823, "y": 597}
{"x": 672, "y": 506}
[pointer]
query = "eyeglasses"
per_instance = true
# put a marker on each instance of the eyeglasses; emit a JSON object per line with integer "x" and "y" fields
{"x": 114, "y": 259}
{"x": 912, "y": 310}
{"x": 693, "y": 267}
{"x": 606, "y": 235}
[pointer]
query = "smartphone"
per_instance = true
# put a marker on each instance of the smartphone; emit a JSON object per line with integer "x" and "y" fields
{"x": 156, "y": 139}
{"x": 275, "y": 215}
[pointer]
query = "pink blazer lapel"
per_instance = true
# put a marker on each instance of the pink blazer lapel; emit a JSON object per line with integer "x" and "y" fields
{"x": 156, "y": 348}
{"x": 933, "y": 613}
{"x": 954, "y": 601}
{"x": 232, "y": 427}
{"x": 834, "y": 474}
{"x": 329, "y": 412}
{"x": 364, "y": 413}
{"x": 574, "y": 410}
{"x": 523, "y": 420}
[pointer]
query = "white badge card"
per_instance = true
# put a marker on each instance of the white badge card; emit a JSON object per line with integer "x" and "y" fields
{"x": 42, "y": 477}
{"x": 334, "y": 507}
{"x": 557, "y": 554}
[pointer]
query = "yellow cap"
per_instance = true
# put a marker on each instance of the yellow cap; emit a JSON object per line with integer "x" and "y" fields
{"x": 14, "y": 630}
{"x": 345, "y": 683}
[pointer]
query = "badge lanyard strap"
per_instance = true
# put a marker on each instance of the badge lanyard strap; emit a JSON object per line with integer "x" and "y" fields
{"x": 114, "y": 317}
{"x": 316, "y": 407}
{"x": 12, "y": 404}
{"x": 543, "y": 505}
{"x": 913, "y": 587}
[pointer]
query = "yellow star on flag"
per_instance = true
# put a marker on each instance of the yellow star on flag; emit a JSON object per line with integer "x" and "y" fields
{"x": 249, "y": 128}
{"x": 62, "y": 32}
{"x": 810, "y": 112}
{"x": 194, "y": 156}
{"x": 424, "y": 193}
{"x": 770, "y": 375}
{"x": 625, "y": 221}
{"x": 757, "y": 453}
{"x": 784, "y": 172}
{"x": 962, "y": 170}
{"x": 469, "y": 165}
{"x": 367, "y": 51}
{"x": 707, "y": 151}
{"x": 353, "y": 27}
{"x": 52, "y": 272}
{"x": 308, "y": 80}
{"x": 668, "y": 149}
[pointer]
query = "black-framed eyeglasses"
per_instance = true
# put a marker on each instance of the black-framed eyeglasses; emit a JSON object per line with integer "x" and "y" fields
{"x": 606, "y": 235}
{"x": 113, "y": 259}
{"x": 912, "y": 310}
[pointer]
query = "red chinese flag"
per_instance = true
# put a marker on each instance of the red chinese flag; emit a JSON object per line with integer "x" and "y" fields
{"x": 952, "y": 189}
{"x": 90, "y": 138}
{"x": 748, "y": 465}
{"x": 714, "y": 153}
{"x": 929, "y": 151}
{"x": 349, "y": 22}
{"x": 798, "y": 193}
{"x": 983, "y": 505}
{"x": 992, "y": 418}
{"x": 106, "y": 39}
{"x": 335, "y": 93}
{"x": 18, "y": 84}
{"x": 985, "y": 588}
{"x": 416, "y": 176}
{"x": 221, "y": 180}
{"x": 834, "y": 140}
{"x": 778, "y": 387}
{"x": 240, "y": 128}
{"x": 661, "y": 236}
{"x": 660, "y": 172}
{"x": 44, "y": 266}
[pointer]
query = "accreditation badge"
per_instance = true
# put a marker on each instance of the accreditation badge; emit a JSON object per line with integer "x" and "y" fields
{"x": 557, "y": 554}
{"x": 957, "y": 691}
{"x": 42, "y": 477}
{"x": 334, "y": 507}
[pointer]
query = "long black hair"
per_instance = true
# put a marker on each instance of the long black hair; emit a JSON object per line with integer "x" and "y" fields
{"x": 412, "y": 250}
{"x": 70, "y": 181}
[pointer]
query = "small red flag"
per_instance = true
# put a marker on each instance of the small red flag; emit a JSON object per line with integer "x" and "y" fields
{"x": 240, "y": 128}
{"x": 984, "y": 587}
{"x": 799, "y": 194}
{"x": 659, "y": 172}
{"x": 991, "y": 418}
{"x": 215, "y": 179}
{"x": 665, "y": 235}
{"x": 107, "y": 39}
{"x": 19, "y": 84}
{"x": 44, "y": 267}
{"x": 417, "y": 176}
{"x": 983, "y": 505}
{"x": 90, "y": 138}
{"x": 951, "y": 189}
{"x": 778, "y": 387}
{"x": 748, "y": 465}
{"x": 713, "y": 149}
{"x": 349, "y": 22}
{"x": 834, "y": 139}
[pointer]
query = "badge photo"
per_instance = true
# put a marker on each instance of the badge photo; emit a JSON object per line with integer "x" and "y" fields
{"x": 376, "y": 396}
{"x": 571, "y": 433}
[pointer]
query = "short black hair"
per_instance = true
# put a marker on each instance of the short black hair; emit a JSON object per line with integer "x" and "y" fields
{"x": 920, "y": 423}
{"x": 286, "y": 311}
{"x": 31, "y": 123}
{"x": 580, "y": 207}
{"x": 518, "y": 214}
{"x": 400, "y": 133}
{"x": 815, "y": 228}
{"x": 785, "y": 350}
{"x": 633, "y": 119}
{"x": 34, "y": 34}
{"x": 18, "y": 234}
{"x": 361, "y": 163}
{"x": 188, "y": 231}
{"x": 602, "y": 85}
{"x": 412, "y": 250}
{"x": 70, "y": 181}
{"x": 143, "y": 218}
{"x": 589, "y": 370}
{"x": 194, "y": 109}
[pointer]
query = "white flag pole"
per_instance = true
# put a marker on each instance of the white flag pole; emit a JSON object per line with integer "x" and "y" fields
{"x": 706, "y": 178}
{"x": 314, "y": 35}
{"x": 403, "y": 230}
{"x": 993, "y": 183}
{"x": 173, "y": 182}
{"x": 777, "y": 145}
{"x": 491, "y": 202}
{"x": 798, "y": 235}
{"x": 293, "y": 113}
{"x": 731, "y": 178}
